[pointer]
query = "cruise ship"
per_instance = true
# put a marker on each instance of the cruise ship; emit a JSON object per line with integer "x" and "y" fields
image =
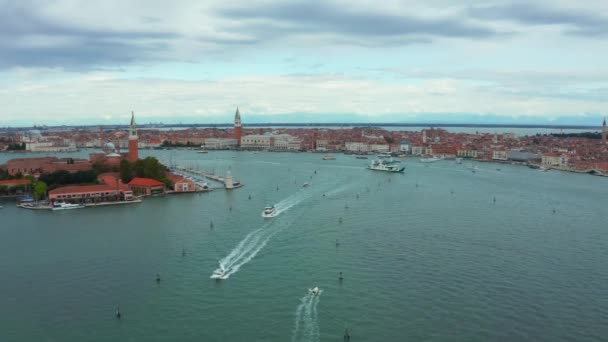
{"x": 381, "y": 165}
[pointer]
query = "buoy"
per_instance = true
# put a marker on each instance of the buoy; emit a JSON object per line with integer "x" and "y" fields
{"x": 157, "y": 278}
{"x": 249, "y": 196}
{"x": 118, "y": 313}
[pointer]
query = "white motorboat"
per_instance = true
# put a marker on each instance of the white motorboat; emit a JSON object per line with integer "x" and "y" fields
{"x": 269, "y": 212}
{"x": 65, "y": 206}
{"x": 458, "y": 160}
{"x": 305, "y": 185}
{"x": 381, "y": 165}
{"x": 315, "y": 291}
{"x": 329, "y": 156}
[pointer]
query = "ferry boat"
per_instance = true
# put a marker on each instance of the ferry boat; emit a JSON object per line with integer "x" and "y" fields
{"x": 329, "y": 157}
{"x": 381, "y": 165}
{"x": 430, "y": 160}
{"x": 65, "y": 206}
{"x": 269, "y": 212}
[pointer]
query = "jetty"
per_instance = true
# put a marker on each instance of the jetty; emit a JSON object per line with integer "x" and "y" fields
{"x": 228, "y": 181}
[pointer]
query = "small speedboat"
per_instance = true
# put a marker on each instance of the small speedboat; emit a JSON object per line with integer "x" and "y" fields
{"x": 305, "y": 185}
{"x": 269, "y": 212}
{"x": 315, "y": 291}
{"x": 66, "y": 206}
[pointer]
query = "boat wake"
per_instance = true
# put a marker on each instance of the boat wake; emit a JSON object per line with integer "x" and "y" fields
{"x": 306, "y": 326}
{"x": 247, "y": 249}
{"x": 291, "y": 201}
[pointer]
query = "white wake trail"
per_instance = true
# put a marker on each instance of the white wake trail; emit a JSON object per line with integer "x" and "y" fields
{"x": 306, "y": 326}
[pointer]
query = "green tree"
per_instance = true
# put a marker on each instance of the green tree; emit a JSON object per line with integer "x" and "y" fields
{"x": 40, "y": 190}
{"x": 126, "y": 171}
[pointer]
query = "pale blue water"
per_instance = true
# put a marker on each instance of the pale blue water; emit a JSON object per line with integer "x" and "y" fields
{"x": 419, "y": 263}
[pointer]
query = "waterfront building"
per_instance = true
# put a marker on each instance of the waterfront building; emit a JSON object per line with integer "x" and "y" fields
{"x": 321, "y": 144}
{"x": 379, "y": 148}
{"x": 133, "y": 141}
{"x": 554, "y": 160}
{"x": 146, "y": 186}
{"x": 359, "y": 147}
{"x": 220, "y": 143}
{"x": 405, "y": 147}
{"x": 33, "y": 166}
{"x": 256, "y": 141}
{"x": 238, "y": 129}
{"x": 181, "y": 184}
{"x": 499, "y": 154}
{"x": 13, "y": 187}
{"x": 84, "y": 194}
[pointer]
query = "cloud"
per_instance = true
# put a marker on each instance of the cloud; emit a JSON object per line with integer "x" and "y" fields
{"x": 578, "y": 22}
{"x": 283, "y": 18}
{"x": 29, "y": 38}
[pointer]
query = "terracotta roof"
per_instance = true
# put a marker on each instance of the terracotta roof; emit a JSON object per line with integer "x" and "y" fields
{"x": 15, "y": 181}
{"x": 81, "y": 188}
{"x": 145, "y": 182}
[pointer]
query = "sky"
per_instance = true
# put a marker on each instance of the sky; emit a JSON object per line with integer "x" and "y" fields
{"x": 79, "y": 62}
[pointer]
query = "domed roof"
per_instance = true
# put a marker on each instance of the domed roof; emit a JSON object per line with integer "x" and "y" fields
{"x": 109, "y": 145}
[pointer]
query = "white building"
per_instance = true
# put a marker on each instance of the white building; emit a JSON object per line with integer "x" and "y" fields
{"x": 554, "y": 160}
{"x": 379, "y": 147}
{"x": 219, "y": 143}
{"x": 499, "y": 154}
{"x": 357, "y": 146}
{"x": 256, "y": 141}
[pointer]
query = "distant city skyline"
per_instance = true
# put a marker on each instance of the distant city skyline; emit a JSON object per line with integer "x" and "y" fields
{"x": 528, "y": 62}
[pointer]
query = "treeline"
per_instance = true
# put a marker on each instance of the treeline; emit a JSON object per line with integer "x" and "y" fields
{"x": 588, "y": 135}
{"x": 167, "y": 143}
{"x": 62, "y": 177}
{"x": 146, "y": 168}
{"x": 16, "y": 147}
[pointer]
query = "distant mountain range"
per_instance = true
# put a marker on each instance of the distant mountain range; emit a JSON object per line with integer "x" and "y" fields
{"x": 587, "y": 120}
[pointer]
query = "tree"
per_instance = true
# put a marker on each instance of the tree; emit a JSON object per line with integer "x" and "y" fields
{"x": 126, "y": 171}
{"x": 40, "y": 190}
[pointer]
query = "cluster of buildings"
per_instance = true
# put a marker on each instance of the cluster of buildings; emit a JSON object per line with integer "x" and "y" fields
{"x": 567, "y": 153}
{"x": 110, "y": 187}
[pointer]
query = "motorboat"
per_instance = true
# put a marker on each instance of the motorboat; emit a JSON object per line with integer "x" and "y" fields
{"x": 329, "y": 156}
{"x": 384, "y": 155}
{"x": 269, "y": 212}
{"x": 381, "y": 165}
{"x": 305, "y": 185}
{"x": 202, "y": 151}
{"x": 458, "y": 160}
{"x": 315, "y": 291}
{"x": 65, "y": 206}
{"x": 361, "y": 157}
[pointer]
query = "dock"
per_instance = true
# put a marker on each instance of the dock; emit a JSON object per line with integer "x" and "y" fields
{"x": 228, "y": 181}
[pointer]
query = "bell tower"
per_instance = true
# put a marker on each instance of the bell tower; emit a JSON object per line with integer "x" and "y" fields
{"x": 133, "y": 144}
{"x": 238, "y": 130}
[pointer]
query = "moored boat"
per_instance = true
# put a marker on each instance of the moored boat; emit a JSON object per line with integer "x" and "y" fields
{"x": 381, "y": 165}
{"x": 66, "y": 206}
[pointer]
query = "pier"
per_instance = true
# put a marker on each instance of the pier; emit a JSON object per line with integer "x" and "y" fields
{"x": 228, "y": 181}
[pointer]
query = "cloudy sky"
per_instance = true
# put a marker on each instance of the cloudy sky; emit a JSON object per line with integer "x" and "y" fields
{"x": 68, "y": 61}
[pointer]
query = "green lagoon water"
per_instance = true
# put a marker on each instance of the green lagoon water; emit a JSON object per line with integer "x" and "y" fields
{"x": 426, "y": 256}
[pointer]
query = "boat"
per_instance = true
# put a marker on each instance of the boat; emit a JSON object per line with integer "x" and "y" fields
{"x": 430, "y": 160}
{"x": 329, "y": 156}
{"x": 202, "y": 151}
{"x": 305, "y": 185}
{"x": 543, "y": 169}
{"x": 458, "y": 160}
{"x": 384, "y": 155}
{"x": 315, "y": 291}
{"x": 269, "y": 212}
{"x": 66, "y": 206}
{"x": 381, "y": 165}
{"x": 361, "y": 157}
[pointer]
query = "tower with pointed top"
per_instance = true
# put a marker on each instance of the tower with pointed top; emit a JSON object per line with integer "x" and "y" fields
{"x": 238, "y": 130}
{"x": 133, "y": 141}
{"x": 604, "y": 132}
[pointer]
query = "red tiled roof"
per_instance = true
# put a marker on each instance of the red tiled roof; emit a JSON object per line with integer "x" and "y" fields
{"x": 15, "y": 181}
{"x": 145, "y": 182}
{"x": 81, "y": 188}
